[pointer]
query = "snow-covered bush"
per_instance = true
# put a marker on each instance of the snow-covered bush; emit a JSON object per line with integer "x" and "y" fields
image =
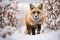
{"x": 8, "y": 11}
{"x": 8, "y": 18}
{"x": 52, "y": 12}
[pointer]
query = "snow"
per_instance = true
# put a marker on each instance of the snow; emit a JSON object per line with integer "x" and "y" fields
{"x": 4, "y": 3}
{"x": 45, "y": 36}
{"x": 6, "y": 39}
{"x": 5, "y": 20}
{"x": 18, "y": 35}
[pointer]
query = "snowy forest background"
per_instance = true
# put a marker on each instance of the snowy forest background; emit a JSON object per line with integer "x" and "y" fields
{"x": 12, "y": 13}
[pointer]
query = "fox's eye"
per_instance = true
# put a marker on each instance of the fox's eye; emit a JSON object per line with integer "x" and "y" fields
{"x": 33, "y": 12}
{"x": 38, "y": 12}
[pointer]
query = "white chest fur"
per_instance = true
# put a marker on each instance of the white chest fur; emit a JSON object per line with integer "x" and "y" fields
{"x": 35, "y": 22}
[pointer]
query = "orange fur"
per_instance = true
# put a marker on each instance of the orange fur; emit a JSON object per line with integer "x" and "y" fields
{"x": 28, "y": 19}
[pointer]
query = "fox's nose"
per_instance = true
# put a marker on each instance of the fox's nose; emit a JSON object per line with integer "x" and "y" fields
{"x": 35, "y": 16}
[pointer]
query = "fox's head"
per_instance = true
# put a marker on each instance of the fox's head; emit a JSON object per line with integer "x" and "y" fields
{"x": 36, "y": 12}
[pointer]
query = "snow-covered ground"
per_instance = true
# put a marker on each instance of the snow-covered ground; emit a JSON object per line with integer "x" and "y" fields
{"x": 45, "y": 36}
{"x": 18, "y": 35}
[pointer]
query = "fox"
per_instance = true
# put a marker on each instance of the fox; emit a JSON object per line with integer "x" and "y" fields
{"x": 34, "y": 19}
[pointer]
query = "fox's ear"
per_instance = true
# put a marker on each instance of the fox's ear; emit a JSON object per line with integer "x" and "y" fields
{"x": 32, "y": 7}
{"x": 40, "y": 6}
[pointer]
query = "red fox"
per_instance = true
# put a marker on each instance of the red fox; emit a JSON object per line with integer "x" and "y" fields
{"x": 34, "y": 19}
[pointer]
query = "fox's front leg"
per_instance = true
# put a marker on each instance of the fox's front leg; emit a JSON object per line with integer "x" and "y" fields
{"x": 33, "y": 31}
{"x": 39, "y": 28}
{"x": 28, "y": 29}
